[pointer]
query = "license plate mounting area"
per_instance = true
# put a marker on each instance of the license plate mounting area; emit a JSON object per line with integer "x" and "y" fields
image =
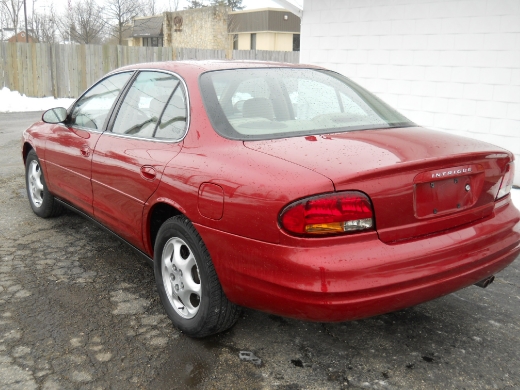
{"x": 447, "y": 191}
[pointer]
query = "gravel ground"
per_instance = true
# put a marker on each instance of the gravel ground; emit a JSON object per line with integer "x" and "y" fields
{"x": 79, "y": 309}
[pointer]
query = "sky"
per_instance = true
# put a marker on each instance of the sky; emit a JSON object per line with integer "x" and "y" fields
{"x": 249, "y": 4}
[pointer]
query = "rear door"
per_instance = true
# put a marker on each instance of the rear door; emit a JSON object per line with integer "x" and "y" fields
{"x": 69, "y": 147}
{"x": 129, "y": 159}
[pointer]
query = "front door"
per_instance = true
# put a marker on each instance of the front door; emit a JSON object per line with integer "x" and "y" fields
{"x": 70, "y": 147}
{"x": 129, "y": 160}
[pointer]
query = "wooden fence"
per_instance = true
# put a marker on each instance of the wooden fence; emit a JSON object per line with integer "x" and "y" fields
{"x": 65, "y": 71}
{"x": 258, "y": 55}
{"x": 264, "y": 55}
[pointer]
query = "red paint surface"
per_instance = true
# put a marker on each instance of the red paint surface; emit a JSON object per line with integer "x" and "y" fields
{"x": 412, "y": 256}
{"x": 68, "y": 172}
{"x": 120, "y": 190}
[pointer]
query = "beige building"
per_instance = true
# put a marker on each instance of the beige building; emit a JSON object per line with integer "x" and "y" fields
{"x": 201, "y": 28}
{"x": 219, "y": 29}
{"x": 265, "y": 29}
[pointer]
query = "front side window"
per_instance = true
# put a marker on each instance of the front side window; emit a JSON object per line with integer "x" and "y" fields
{"x": 92, "y": 109}
{"x": 154, "y": 107}
{"x": 267, "y": 103}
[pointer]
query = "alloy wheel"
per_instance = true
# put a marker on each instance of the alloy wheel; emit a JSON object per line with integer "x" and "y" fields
{"x": 181, "y": 278}
{"x": 34, "y": 173}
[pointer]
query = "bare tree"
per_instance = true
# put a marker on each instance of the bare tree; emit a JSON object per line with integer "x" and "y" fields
{"x": 84, "y": 24}
{"x": 3, "y": 22}
{"x": 151, "y": 8}
{"x": 173, "y": 5}
{"x": 121, "y": 13}
{"x": 235, "y": 5}
{"x": 44, "y": 26}
{"x": 12, "y": 10}
{"x": 195, "y": 4}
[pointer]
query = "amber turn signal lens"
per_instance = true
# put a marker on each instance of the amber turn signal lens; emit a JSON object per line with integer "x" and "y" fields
{"x": 324, "y": 228}
{"x": 339, "y": 213}
{"x": 339, "y": 227}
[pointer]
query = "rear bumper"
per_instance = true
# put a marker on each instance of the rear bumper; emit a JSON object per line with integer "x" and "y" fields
{"x": 361, "y": 276}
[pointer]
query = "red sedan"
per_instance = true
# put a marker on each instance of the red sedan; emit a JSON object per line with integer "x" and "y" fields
{"x": 287, "y": 189}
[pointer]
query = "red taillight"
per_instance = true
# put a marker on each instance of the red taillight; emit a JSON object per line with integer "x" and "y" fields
{"x": 507, "y": 181}
{"x": 343, "y": 212}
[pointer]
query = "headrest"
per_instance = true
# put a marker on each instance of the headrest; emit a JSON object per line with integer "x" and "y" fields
{"x": 258, "y": 107}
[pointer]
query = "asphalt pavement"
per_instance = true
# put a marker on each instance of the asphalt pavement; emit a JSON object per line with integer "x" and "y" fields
{"x": 79, "y": 310}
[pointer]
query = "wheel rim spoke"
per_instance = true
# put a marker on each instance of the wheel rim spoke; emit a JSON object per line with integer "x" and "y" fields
{"x": 39, "y": 185}
{"x": 185, "y": 298}
{"x": 191, "y": 285}
{"x": 34, "y": 169}
{"x": 188, "y": 264}
{"x": 168, "y": 259}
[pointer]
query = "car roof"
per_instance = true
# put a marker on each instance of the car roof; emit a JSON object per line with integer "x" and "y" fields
{"x": 209, "y": 65}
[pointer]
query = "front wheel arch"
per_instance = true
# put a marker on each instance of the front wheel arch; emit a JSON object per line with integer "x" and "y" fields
{"x": 40, "y": 198}
{"x": 27, "y": 147}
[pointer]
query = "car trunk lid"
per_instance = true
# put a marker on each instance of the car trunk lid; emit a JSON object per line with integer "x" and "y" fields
{"x": 420, "y": 181}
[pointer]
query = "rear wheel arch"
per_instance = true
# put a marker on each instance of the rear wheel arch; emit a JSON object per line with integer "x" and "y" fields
{"x": 158, "y": 214}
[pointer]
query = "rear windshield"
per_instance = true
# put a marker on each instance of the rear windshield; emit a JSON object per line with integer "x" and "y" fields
{"x": 267, "y": 103}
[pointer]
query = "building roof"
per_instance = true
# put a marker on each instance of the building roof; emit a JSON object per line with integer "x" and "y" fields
{"x": 8, "y": 33}
{"x": 265, "y": 19}
{"x": 148, "y": 27}
{"x": 244, "y": 11}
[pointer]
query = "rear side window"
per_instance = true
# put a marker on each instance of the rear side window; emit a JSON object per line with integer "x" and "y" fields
{"x": 92, "y": 109}
{"x": 173, "y": 120}
{"x": 154, "y": 107}
{"x": 268, "y": 103}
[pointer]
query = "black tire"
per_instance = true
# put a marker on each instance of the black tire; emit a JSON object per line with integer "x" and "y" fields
{"x": 179, "y": 247}
{"x": 41, "y": 200}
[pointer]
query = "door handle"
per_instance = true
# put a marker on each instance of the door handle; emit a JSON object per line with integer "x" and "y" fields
{"x": 85, "y": 151}
{"x": 148, "y": 172}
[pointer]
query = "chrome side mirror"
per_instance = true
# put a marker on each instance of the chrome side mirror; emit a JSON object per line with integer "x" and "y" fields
{"x": 55, "y": 115}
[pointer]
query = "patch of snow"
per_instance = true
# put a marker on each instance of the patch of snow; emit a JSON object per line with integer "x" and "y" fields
{"x": 12, "y": 101}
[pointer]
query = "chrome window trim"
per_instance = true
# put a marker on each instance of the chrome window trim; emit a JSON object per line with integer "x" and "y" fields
{"x": 188, "y": 116}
